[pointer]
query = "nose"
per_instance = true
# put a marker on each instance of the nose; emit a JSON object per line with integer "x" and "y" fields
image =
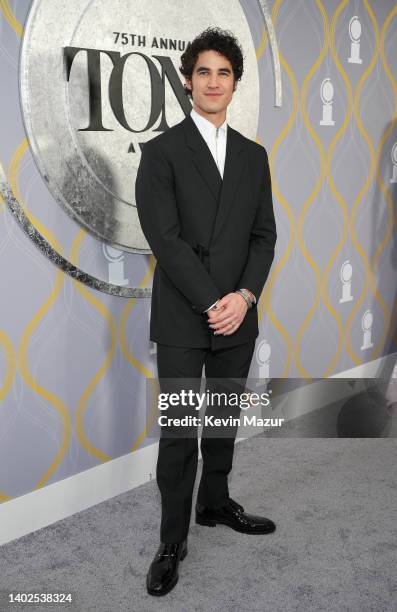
{"x": 213, "y": 80}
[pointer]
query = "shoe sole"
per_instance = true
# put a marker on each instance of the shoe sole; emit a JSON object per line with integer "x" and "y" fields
{"x": 171, "y": 586}
{"x": 213, "y": 523}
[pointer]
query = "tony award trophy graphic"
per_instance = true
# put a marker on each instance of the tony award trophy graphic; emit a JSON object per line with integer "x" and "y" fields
{"x": 354, "y": 33}
{"x": 346, "y": 273}
{"x": 262, "y": 353}
{"x": 366, "y": 324}
{"x": 327, "y": 95}
{"x": 115, "y": 259}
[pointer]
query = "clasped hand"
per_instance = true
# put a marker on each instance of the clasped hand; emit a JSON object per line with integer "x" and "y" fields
{"x": 228, "y": 315}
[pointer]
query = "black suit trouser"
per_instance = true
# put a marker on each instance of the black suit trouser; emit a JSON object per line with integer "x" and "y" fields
{"x": 181, "y": 367}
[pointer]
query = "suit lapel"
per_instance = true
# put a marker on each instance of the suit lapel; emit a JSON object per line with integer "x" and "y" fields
{"x": 224, "y": 190}
{"x": 202, "y": 157}
{"x": 234, "y": 167}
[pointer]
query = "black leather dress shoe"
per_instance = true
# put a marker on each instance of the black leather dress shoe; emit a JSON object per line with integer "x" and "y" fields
{"x": 163, "y": 571}
{"x": 233, "y": 515}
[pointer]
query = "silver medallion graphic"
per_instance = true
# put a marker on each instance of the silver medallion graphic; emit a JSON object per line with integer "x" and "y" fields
{"x": 100, "y": 78}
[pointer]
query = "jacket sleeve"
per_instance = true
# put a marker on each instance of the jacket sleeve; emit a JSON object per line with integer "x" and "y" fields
{"x": 158, "y": 216}
{"x": 262, "y": 240}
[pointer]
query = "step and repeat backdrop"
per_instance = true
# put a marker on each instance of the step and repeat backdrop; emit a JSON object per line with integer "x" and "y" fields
{"x": 84, "y": 84}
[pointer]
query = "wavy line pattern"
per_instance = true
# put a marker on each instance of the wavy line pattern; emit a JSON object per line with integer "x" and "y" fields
{"x": 388, "y": 133}
{"x": 265, "y": 300}
{"x": 310, "y": 200}
{"x": 26, "y": 375}
{"x": 369, "y": 266}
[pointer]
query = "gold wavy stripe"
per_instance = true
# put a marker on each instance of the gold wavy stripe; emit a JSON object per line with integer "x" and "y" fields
{"x": 370, "y": 278}
{"x": 51, "y": 398}
{"x": 9, "y": 351}
{"x": 389, "y": 74}
{"x": 83, "y": 401}
{"x": 9, "y": 379}
{"x": 307, "y": 204}
{"x": 338, "y": 197}
{"x": 374, "y": 173}
{"x": 11, "y": 366}
{"x": 390, "y": 131}
{"x": 152, "y": 418}
{"x": 10, "y": 17}
{"x": 265, "y": 300}
{"x": 123, "y": 324}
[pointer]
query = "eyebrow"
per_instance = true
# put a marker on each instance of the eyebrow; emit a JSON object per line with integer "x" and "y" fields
{"x": 226, "y": 69}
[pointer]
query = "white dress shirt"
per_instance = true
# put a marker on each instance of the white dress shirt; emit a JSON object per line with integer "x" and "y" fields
{"x": 216, "y": 139}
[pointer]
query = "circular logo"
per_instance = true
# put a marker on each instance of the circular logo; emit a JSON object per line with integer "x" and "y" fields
{"x": 99, "y": 79}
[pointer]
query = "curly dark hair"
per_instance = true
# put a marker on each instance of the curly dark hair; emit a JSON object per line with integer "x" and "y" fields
{"x": 212, "y": 39}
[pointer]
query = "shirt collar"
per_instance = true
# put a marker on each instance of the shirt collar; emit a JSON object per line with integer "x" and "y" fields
{"x": 206, "y": 126}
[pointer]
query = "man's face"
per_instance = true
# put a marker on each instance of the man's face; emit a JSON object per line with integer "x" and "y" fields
{"x": 212, "y": 82}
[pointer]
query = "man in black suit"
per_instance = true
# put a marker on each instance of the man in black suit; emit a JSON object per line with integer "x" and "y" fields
{"x": 204, "y": 200}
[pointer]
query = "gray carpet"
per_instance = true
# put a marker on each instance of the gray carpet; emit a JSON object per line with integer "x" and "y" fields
{"x": 335, "y": 548}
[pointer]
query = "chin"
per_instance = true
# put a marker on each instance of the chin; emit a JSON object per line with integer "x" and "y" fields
{"x": 207, "y": 109}
{"x": 213, "y": 107}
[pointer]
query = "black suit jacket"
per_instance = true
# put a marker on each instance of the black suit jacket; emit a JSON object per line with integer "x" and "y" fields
{"x": 209, "y": 236}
